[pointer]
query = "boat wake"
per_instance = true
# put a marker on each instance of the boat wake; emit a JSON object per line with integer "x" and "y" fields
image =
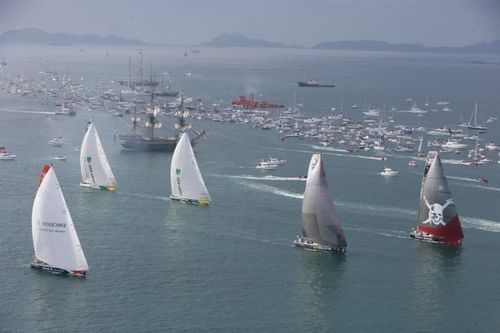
{"x": 481, "y": 224}
{"x": 272, "y": 189}
{"x": 381, "y": 232}
{"x": 455, "y": 162}
{"x": 26, "y": 111}
{"x": 145, "y": 196}
{"x": 468, "y": 222}
{"x": 330, "y": 149}
{"x": 268, "y": 177}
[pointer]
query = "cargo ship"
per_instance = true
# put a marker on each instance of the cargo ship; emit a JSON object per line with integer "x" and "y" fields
{"x": 314, "y": 84}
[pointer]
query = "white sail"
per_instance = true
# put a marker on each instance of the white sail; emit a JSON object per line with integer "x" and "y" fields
{"x": 96, "y": 172}
{"x": 319, "y": 219}
{"x": 185, "y": 178}
{"x": 54, "y": 236}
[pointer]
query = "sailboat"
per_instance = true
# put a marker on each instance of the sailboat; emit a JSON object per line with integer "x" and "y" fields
{"x": 94, "y": 166}
{"x": 472, "y": 124}
{"x": 56, "y": 244}
{"x": 186, "y": 182}
{"x": 438, "y": 221}
{"x": 320, "y": 225}
{"x": 420, "y": 150}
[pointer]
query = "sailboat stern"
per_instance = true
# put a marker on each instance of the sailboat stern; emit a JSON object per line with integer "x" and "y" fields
{"x": 450, "y": 234}
{"x": 109, "y": 187}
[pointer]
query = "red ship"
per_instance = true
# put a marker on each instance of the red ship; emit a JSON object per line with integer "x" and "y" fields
{"x": 251, "y": 103}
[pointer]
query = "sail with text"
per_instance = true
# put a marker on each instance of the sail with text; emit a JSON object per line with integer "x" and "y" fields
{"x": 56, "y": 244}
{"x": 186, "y": 182}
{"x": 94, "y": 166}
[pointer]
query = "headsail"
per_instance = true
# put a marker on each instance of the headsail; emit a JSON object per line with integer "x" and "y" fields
{"x": 319, "y": 219}
{"x": 94, "y": 166}
{"x": 54, "y": 236}
{"x": 437, "y": 216}
{"x": 185, "y": 177}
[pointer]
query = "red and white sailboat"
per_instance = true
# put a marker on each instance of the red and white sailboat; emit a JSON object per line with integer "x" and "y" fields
{"x": 438, "y": 220}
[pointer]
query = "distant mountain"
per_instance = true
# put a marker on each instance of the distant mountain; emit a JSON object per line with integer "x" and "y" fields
{"x": 30, "y": 35}
{"x": 240, "y": 40}
{"x": 370, "y": 45}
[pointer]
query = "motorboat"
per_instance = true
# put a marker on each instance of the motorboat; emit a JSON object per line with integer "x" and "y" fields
{"x": 412, "y": 163}
{"x": 5, "y": 156}
{"x": 59, "y": 158}
{"x": 453, "y": 144}
{"x": 265, "y": 165}
{"x": 389, "y": 172}
{"x": 56, "y": 142}
{"x": 274, "y": 160}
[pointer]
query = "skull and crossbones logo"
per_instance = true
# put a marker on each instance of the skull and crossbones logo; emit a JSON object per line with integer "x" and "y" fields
{"x": 436, "y": 212}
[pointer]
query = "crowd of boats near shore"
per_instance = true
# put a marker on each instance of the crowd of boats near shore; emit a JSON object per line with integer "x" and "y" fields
{"x": 353, "y": 130}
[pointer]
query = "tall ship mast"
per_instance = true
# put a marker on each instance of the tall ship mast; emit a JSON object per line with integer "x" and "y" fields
{"x": 438, "y": 220}
{"x": 152, "y": 142}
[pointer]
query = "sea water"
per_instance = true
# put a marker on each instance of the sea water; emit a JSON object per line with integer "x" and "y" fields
{"x": 158, "y": 265}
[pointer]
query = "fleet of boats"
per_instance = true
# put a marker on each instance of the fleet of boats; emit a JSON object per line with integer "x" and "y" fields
{"x": 56, "y": 245}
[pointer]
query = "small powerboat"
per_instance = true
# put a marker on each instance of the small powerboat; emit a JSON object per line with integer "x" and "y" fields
{"x": 412, "y": 163}
{"x": 265, "y": 165}
{"x": 5, "y": 156}
{"x": 389, "y": 172}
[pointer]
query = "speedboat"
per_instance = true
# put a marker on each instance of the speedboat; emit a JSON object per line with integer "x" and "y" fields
{"x": 56, "y": 142}
{"x": 412, "y": 163}
{"x": 389, "y": 172}
{"x": 312, "y": 245}
{"x": 7, "y": 157}
{"x": 4, "y": 155}
{"x": 265, "y": 165}
{"x": 274, "y": 160}
{"x": 452, "y": 145}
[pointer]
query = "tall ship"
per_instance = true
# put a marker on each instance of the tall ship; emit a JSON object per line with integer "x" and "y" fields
{"x": 151, "y": 142}
{"x": 438, "y": 220}
{"x": 320, "y": 225}
{"x": 314, "y": 84}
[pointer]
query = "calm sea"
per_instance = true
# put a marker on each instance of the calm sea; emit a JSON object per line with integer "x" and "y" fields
{"x": 157, "y": 265}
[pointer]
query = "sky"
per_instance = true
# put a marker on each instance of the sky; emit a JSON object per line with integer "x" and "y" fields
{"x": 302, "y": 22}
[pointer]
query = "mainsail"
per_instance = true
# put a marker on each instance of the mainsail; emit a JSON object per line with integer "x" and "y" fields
{"x": 437, "y": 216}
{"x": 96, "y": 172}
{"x": 185, "y": 178}
{"x": 54, "y": 236}
{"x": 319, "y": 219}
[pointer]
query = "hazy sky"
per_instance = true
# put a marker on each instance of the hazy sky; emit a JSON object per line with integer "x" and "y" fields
{"x": 304, "y": 22}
